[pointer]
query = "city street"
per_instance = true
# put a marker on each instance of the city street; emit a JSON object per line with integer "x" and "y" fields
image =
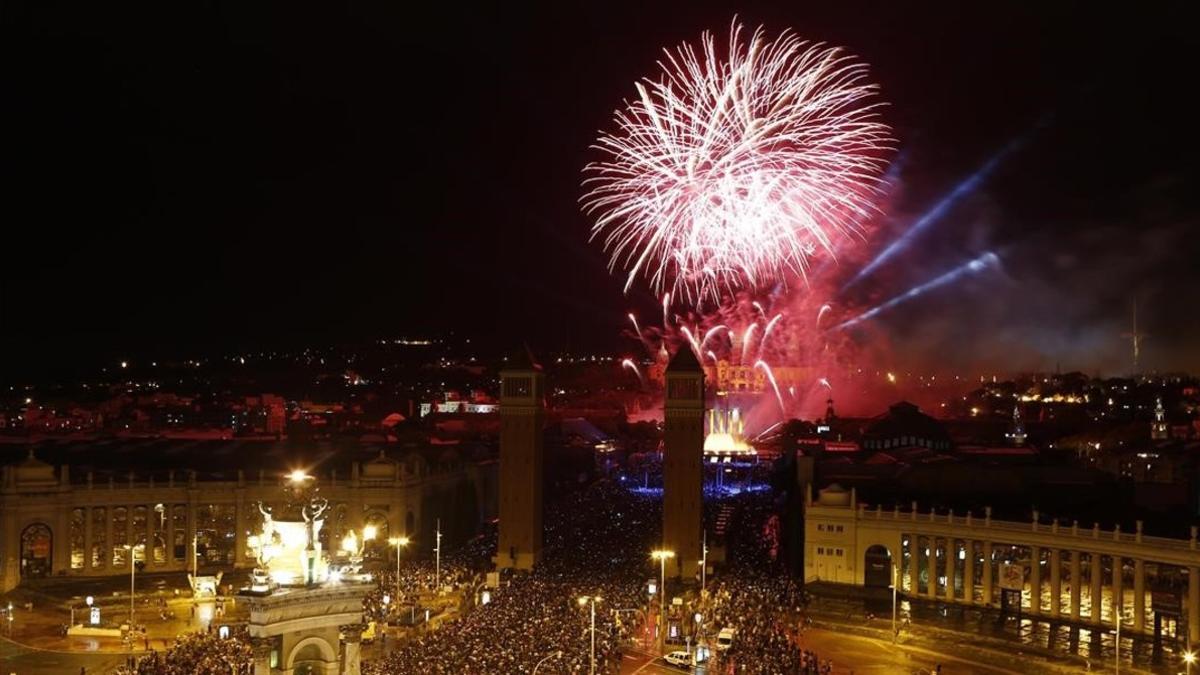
{"x": 24, "y": 660}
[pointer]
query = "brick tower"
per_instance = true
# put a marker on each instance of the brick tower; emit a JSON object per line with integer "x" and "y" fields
{"x": 683, "y": 450}
{"x": 522, "y": 417}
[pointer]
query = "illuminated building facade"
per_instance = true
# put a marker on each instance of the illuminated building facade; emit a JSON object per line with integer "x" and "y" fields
{"x": 1062, "y": 571}
{"x": 56, "y": 522}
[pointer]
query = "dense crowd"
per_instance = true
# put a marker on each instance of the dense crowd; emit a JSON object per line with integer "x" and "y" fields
{"x": 597, "y": 541}
{"x": 596, "y": 544}
{"x": 202, "y": 653}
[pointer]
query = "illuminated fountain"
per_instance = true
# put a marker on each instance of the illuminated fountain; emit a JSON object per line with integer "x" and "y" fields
{"x": 725, "y": 435}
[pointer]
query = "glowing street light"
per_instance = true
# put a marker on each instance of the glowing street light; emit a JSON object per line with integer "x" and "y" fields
{"x": 298, "y": 476}
{"x": 1189, "y": 658}
{"x": 399, "y": 543}
{"x": 661, "y": 555}
{"x": 132, "y": 569}
{"x": 592, "y": 599}
{"x": 552, "y": 655}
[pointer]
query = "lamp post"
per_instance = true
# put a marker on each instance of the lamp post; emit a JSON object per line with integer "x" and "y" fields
{"x": 1117, "y": 642}
{"x": 704, "y": 561}
{"x": 661, "y": 556}
{"x": 437, "y": 560}
{"x": 551, "y": 655}
{"x": 399, "y": 543}
{"x": 1189, "y": 658}
{"x": 592, "y": 600}
{"x": 895, "y": 591}
{"x": 132, "y": 569}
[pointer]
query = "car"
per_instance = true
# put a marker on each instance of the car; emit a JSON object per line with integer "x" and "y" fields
{"x": 725, "y": 638}
{"x": 680, "y": 659}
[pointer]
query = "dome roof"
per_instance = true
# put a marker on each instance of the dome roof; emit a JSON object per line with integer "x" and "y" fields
{"x": 834, "y": 495}
{"x": 905, "y": 425}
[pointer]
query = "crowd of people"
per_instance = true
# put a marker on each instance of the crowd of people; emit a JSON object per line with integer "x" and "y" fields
{"x": 596, "y": 545}
{"x": 202, "y": 653}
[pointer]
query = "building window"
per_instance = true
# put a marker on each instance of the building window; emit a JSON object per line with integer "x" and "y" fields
{"x": 159, "y": 525}
{"x": 820, "y": 550}
{"x": 120, "y": 527}
{"x": 139, "y": 520}
{"x": 99, "y": 538}
{"x": 78, "y": 523}
{"x": 179, "y": 521}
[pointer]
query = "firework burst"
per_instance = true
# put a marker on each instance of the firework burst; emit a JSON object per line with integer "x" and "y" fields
{"x": 729, "y": 172}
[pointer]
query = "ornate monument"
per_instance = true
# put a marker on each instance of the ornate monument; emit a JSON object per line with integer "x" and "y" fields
{"x": 306, "y": 615}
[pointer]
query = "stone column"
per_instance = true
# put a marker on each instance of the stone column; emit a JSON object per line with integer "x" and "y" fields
{"x": 191, "y": 533}
{"x": 148, "y": 550}
{"x": 969, "y": 572}
{"x": 1139, "y": 595}
{"x": 1076, "y": 583}
{"x": 914, "y": 564}
{"x": 262, "y": 648}
{"x": 239, "y": 518}
{"x": 1096, "y": 577}
{"x": 351, "y": 654}
{"x": 951, "y": 566}
{"x": 1193, "y": 605}
{"x": 169, "y": 532}
{"x": 108, "y": 536}
{"x": 1118, "y": 593}
{"x": 87, "y": 539}
{"x": 931, "y": 563}
{"x": 987, "y": 574}
{"x": 129, "y": 533}
{"x": 1035, "y": 580}
{"x": 1055, "y": 582}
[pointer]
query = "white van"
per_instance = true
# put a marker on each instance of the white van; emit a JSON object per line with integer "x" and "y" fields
{"x": 679, "y": 659}
{"x": 725, "y": 638}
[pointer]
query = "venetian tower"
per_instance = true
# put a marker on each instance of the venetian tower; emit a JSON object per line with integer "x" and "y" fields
{"x": 522, "y": 418}
{"x": 683, "y": 450}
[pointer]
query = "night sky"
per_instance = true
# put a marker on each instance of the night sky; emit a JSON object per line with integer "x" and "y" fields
{"x": 184, "y": 179}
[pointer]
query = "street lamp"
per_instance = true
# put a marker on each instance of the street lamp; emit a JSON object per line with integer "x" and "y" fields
{"x": 551, "y": 655}
{"x": 895, "y": 591}
{"x": 592, "y": 600}
{"x": 437, "y": 560}
{"x": 132, "y": 569}
{"x": 661, "y": 556}
{"x": 1188, "y": 659}
{"x": 399, "y": 543}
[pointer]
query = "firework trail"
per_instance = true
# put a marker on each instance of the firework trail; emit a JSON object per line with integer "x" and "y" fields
{"x": 628, "y": 363}
{"x": 730, "y": 170}
{"x": 771, "y": 378}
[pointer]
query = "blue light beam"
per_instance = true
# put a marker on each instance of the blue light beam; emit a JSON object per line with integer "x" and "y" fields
{"x": 983, "y": 262}
{"x": 934, "y": 214}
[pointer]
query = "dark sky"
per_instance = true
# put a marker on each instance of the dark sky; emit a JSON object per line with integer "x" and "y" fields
{"x": 187, "y": 178}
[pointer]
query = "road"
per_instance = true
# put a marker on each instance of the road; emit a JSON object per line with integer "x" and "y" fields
{"x": 21, "y": 660}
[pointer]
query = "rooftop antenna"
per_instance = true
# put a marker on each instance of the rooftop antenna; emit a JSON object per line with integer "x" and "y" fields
{"x": 1136, "y": 337}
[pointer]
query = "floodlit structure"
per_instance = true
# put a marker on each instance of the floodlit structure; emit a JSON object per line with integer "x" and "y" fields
{"x": 726, "y": 435}
{"x": 522, "y": 418}
{"x": 306, "y": 614}
{"x": 1055, "y": 572}
{"x": 62, "y": 515}
{"x": 683, "y": 455}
